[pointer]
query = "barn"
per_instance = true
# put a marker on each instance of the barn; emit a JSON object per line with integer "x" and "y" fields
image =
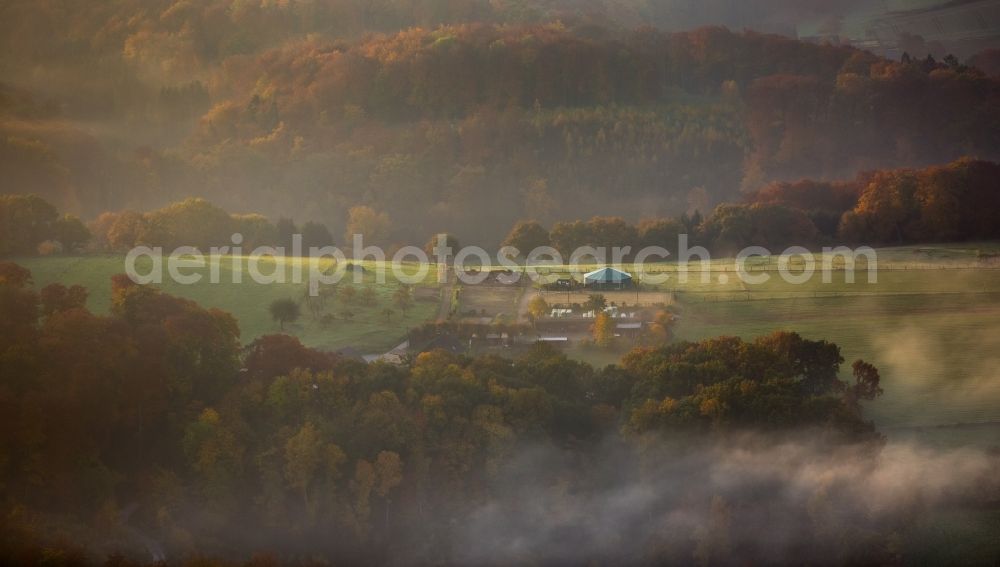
{"x": 607, "y": 278}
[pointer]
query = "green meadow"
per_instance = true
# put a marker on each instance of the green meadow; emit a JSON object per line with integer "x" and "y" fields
{"x": 932, "y": 329}
{"x": 366, "y": 328}
{"x": 939, "y": 354}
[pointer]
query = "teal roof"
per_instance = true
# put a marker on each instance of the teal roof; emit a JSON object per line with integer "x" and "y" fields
{"x": 607, "y": 275}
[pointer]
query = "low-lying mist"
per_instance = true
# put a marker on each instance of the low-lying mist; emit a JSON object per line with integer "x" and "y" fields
{"x": 748, "y": 497}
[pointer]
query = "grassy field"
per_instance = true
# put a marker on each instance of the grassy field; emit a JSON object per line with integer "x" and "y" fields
{"x": 934, "y": 334}
{"x": 368, "y": 330}
{"x": 938, "y": 353}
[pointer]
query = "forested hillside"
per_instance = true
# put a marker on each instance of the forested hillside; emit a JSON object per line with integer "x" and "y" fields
{"x": 471, "y": 119}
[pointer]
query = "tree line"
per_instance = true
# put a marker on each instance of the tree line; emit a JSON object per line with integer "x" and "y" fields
{"x": 31, "y": 225}
{"x": 954, "y": 202}
{"x": 945, "y": 203}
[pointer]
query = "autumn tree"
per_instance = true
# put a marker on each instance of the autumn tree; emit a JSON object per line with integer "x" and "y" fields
{"x": 270, "y": 356}
{"x": 303, "y": 456}
{"x": 538, "y": 307}
{"x": 361, "y": 487}
{"x": 215, "y": 454}
{"x": 14, "y": 275}
{"x": 603, "y": 330}
{"x": 951, "y": 202}
{"x": 660, "y": 329}
{"x": 57, "y": 297}
{"x": 191, "y": 222}
{"x": 388, "y": 475}
{"x": 526, "y": 236}
{"x": 373, "y": 226}
{"x": 126, "y": 229}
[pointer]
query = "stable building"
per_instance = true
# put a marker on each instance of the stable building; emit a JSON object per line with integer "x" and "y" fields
{"x": 607, "y": 278}
{"x": 630, "y": 330}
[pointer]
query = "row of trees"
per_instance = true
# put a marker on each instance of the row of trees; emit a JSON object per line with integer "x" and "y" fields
{"x": 29, "y": 221}
{"x": 157, "y": 404}
{"x": 196, "y": 222}
{"x": 607, "y": 232}
{"x": 954, "y": 202}
{"x": 729, "y": 228}
{"x": 958, "y": 201}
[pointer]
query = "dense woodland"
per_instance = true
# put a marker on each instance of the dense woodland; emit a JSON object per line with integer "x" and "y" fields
{"x": 959, "y": 201}
{"x": 157, "y": 409}
{"x": 464, "y": 126}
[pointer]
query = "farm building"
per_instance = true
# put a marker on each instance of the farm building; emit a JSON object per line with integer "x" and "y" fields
{"x": 607, "y": 278}
{"x": 554, "y": 341}
{"x": 630, "y": 330}
{"x": 445, "y": 342}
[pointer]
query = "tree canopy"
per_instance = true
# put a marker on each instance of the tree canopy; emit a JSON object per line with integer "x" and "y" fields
{"x": 157, "y": 403}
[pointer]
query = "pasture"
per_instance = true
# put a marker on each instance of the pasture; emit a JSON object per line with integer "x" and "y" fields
{"x": 937, "y": 346}
{"x": 356, "y": 322}
{"x": 489, "y": 301}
